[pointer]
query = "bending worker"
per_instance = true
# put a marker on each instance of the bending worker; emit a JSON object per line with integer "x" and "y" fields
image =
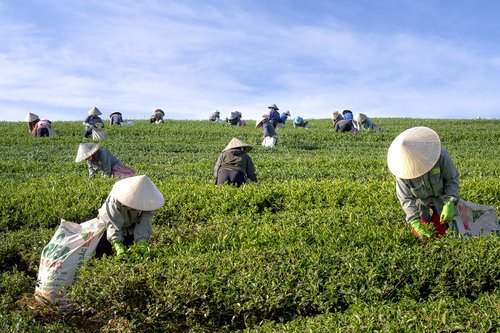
{"x": 426, "y": 180}
{"x": 101, "y": 159}
{"x": 234, "y": 165}
{"x": 127, "y": 213}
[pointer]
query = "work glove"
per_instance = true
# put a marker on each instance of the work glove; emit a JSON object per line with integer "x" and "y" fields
{"x": 119, "y": 248}
{"x": 142, "y": 247}
{"x": 448, "y": 212}
{"x": 421, "y": 230}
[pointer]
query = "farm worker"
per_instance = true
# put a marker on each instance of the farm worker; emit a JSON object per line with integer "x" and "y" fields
{"x": 241, "y": 122}
{"x": 101, "y": 159}
{"x": 157, "y": 117}
{"x": 344, "y": 126}
{"x": 234, "y": 165}
{"x": 234, "y": 118}
{"x": 426, "y": 180}
{"x": 347, "y": 114}
{"x": 39, "y": 127}
{"x": 92, "y": 121}
{"x": 215, "y": 116}
{"x": 298, "y": 121}
{"x": 116, "y": 118}
{"x": 284, "y": 116}
{"x": 274, "y": 116}
{"x": 127, "y": 213}
{"x": 336, "y": 116}
{"x": 361, "y": 121}
{"x": 269, "y": 138}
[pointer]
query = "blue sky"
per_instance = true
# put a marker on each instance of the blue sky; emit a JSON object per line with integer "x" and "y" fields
{"x": 419, "y": 58}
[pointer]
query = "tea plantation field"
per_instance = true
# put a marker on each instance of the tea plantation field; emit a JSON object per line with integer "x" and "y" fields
{"x": 319, "y": 244}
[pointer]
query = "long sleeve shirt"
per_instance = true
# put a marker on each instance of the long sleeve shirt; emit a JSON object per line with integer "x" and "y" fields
{"x": 122, "y": 221}
{"x": 93, "y": 121}
{"x": 104, "y": 160}
{"x": 435, "y": 187}
{"x": 268, "y": 129}
{"x": 236, "y": 159}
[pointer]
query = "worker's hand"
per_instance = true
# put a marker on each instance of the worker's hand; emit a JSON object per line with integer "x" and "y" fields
{"x": 448, "y": 212}
{"x": 423, "y": 231}
{"x": 142, "y": 247}
{"x": 119, "y": 248}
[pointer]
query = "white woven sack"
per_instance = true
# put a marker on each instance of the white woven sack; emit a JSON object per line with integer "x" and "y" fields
{"x": 71, "y": 244}
{"x": 475, "y": 220}
{"x": 98, "y": 134}
{"x": 269, "y": 141}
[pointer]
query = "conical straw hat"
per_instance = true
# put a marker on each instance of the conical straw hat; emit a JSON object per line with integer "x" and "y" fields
{"x": 259, "y": 122}
{"x": 413, "y": 152}
{"x": 235, "y": 143}
{"x": 273, "y": 107}
{"x": 31, "y": 117}
{"x": 138, "y": 193}
{"x": 360, "y": 117}
{"x": 85, "y": 150}
{"x": 94, "y": 112}
{"x": 335, "y": 115}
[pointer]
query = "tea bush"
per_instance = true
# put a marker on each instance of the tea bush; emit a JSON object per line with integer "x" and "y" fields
{"x": 318, "y": 244}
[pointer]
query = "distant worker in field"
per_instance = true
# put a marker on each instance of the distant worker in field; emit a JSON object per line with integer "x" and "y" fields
{"x": 269, "y": 138}
{"x": 347, "y": 114}
{"x": 127, "y": 213}
{"x": 283, "y": 118}
{"x": 298, "y": 121}
{"x": 235, "y": 119}
{"x": 157, "y": 117}
{"x": 361, "y": 121}
{"x": 101, "y": 159}
{"x": 215, "y": 116}
{"x": 274, "y": 116}
{"x": 92, "y": 122}
{"x": 116, "y": 118}
{"x": 39, "y": 127}
{"x": 426, "y": 180}
{"x": 234, "y": 166}
{"x": 336, "y": 116}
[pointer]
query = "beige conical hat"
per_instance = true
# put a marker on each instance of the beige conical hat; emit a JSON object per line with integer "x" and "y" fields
{"x": 262, "y": 118}
{"x": 94, "y": 112}
{"x": 85, "y": 150}
{"x": 335, "y": 115}
{"x": 138, "y": 193}
{"x": 31, "y": 117}
{"x": 235, "y": 143}
{"x": 360, "y": 117}
{"x": 413, "y": 152}
{"x": 273, "y": 106}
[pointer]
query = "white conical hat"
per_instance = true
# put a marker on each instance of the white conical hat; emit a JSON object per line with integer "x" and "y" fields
{"x": 138, "y": 193}
{"x": 85, "y": 150}
{"x": 273, "y": 106}
{"x": 94, "y": 112}
{"x": 259, "y": 122}
{"x": 413, "y": 152}
{"x": 31, "y": 117}
{"x": 335, "y": 115}
{"x": 360, "y": 117}
{"x": 236, "y": 143}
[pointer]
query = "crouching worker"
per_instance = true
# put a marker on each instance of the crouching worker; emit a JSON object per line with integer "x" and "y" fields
{"x": 101, "y": 159}
{"x": 39, "y": 127}
{"x": 234, "y": 165}
{"x": 426, "y": 181}
{"x": 269, "y": 138}
{"x": 127, "y": 213}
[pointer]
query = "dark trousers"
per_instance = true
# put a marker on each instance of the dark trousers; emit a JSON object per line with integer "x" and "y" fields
{"x": 104, "y": 247}
{"x": 42, "y": 132}
{"x": 232, "y": 177}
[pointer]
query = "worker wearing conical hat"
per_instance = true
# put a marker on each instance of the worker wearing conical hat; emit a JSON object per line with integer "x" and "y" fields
{"x": 361, "y": 121}
{"x": 215, "y": 116}
{"x": 426, "y": 180}
{"x": 101, "y": 159}
{"x": 39, "y": 127}
{"x": 93, "y": 121}
{"x": 269, "y": 138}
{"x": 284, "y": 116}
{"x": 127, "y": 213}
{"x": 234, "y": 165}
{"x": 157, "y": 117}
{"x": 274, "y": 116}
{"x": 116, "y": 118}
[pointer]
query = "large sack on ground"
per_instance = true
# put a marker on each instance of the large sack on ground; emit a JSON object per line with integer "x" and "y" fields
{"x": 98, "y": 134}
{"x": 70, "y": 246}
{"x": 475, "y": 220}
